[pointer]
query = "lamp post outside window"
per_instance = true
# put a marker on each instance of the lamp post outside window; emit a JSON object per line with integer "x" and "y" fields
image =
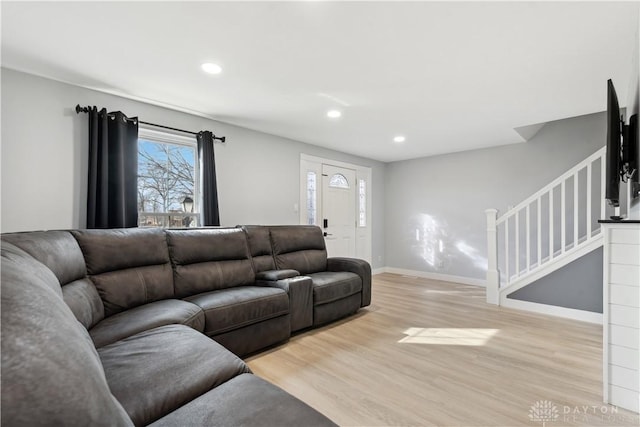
{"x": 187, "y": 207}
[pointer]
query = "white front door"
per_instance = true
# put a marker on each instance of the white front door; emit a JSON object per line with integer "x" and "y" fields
{"x": 348, "y": 206}
{"x": 338, "y": 219}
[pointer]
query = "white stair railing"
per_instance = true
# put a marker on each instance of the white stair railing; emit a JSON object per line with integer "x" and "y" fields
{"x": 555, "y": 222}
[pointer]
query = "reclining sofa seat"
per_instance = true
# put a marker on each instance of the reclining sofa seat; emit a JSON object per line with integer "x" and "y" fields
{"x": 212, "y": 268}
{"x": 140, "y": 349}
{"x": 339, "y": 286}
{"x": 59, "y": 252}
{"x": 171, "y": 374}
{"x": 53, "y": 374}
{"x": 132, "y": 273}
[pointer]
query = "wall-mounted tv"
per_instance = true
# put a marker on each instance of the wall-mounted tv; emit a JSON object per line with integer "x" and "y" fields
{"x": 622, "y": 150}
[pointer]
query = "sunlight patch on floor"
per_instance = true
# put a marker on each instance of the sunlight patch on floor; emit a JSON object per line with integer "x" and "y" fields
{"x": 448, "y": 336}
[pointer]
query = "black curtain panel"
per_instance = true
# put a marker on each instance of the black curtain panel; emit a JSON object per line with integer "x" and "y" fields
{"x": 208, "y": 183}
{"x": 113, "y": 170}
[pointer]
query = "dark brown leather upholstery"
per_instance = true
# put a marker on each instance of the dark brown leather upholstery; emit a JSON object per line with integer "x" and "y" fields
{"x": 59, "y": 251}
{"x": 298, "y": 288}
{"x": 51, "y": 374}
{"x": 329, "y": 286}
{"x": 129, "y": 267}
{"x": 119, "y": 284}
{"x": 229, "y": 309}
{"x": 245, "y": 400}
{"x": 272, "y": 275}
{"x": 145, "y": 317}
{"x": 159, "y": 370}
{"x": 209, "y": 259}
{"x": 299, "y": 247}
{"x": 337, "y": 282}
{"x": 260, "y": 247}
{"x": 336, "y": 294}
{"x": 258, "y": 336}
{"x": 82, "y": 298}
{"x": 325, "y": 313}
{"x": 356, "y": 266}
{"x": 300, "y": 291}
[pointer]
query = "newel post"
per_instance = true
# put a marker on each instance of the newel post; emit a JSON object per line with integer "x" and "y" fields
{"x": 493, "y": 277}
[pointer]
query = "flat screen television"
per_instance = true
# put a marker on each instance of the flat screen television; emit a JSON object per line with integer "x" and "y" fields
{"x": 622, "y": 150}
{"x": 614, "y": 133}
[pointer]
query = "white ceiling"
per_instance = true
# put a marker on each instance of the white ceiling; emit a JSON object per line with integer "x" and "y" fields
{"x": 448, "y": 76}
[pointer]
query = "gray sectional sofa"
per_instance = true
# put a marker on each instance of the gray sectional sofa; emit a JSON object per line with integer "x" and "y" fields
{"x": 146, "y": 326}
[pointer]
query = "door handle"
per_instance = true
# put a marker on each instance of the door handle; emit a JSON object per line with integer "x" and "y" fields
{"x": 325, "y": 223}
{"x": 325, "y": 234}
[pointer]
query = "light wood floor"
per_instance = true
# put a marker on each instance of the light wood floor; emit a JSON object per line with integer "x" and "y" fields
{"x": 462, "y": 362}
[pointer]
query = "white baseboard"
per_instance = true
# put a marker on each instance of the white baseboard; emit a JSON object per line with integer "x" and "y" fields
{"x": 433, "y": 276}
{"x": 553, "y": 310}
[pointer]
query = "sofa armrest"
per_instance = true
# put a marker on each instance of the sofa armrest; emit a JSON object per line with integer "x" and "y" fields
{"x": 357, "y": 266}
{"x": 272, "y": 275}
{"x": 300, "y": 291}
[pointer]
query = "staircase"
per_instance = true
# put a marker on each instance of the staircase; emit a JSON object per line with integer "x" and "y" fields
{"x": 555, "y": 226}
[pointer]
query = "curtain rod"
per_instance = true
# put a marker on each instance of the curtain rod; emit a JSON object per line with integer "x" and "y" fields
{"x": 222, "y": 139}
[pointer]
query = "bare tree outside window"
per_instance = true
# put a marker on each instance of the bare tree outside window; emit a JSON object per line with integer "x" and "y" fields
{"x": 166, "y": 176}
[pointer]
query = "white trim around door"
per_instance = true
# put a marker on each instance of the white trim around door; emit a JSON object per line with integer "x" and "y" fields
{"x": 311, "y": 199}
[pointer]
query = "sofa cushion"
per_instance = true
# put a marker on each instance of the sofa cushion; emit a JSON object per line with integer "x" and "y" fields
{"x": 234, "y": 308}
{"x": 145, "y": 317}
{"x": 259, "y": 241}
{"x": 245, "y": 400}
{"x": 299, "y": 247}
{"x": 82, "y": 298}
{"x": 157, "y": 371}
{"x": 59, "y": 251}
{"x": 16, "y": 260}
{"x": 130, "y": 267}
{"x": 331, "y": 286}
{"x": 51, "y": 374}
{"x": 209, "y": 259}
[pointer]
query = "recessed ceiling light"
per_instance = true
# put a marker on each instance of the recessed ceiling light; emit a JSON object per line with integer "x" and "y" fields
{"x": 399, "y": 139}
{"x": 211, "y": 68}
{"x": 334, "y": 114}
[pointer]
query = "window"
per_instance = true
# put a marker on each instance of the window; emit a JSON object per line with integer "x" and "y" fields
{"x": 338, "y": 181}
{"x": 362, "y": 203}
{"x": 311, "y": 198}
{"x": 167, "y": 180}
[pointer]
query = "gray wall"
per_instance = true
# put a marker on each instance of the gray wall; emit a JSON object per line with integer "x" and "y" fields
{"x": 44, "y": 169}
{"x": 44, "y": 165}
{"x": 577, "y": 285}
{"x": 443, "y": 198}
